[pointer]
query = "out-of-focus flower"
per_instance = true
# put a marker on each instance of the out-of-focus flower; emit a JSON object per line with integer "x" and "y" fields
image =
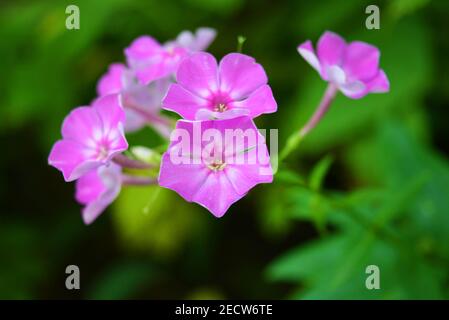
{"x": 215, "y": 162}
{"x": 97, "y": 189}
{"x": 199, "y": 41}
{"x": 142, "y": 103}
{"x": 113, "y": 81}
{"x": 91, "y": 136}
{"x": 352, "y": 67}
{"x": 205, "y": 90}
{"x": 150, "y": 60}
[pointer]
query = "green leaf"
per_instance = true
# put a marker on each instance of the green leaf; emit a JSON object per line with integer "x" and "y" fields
{"x": 319, "y": 172}
{"x": 122, "y": 281}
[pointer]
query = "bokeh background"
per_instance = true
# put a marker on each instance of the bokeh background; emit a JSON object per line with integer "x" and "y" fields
{"x": 369, "y": 186}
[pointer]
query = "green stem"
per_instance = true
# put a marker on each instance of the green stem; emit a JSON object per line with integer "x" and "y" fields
{"x": 295, "y": 139}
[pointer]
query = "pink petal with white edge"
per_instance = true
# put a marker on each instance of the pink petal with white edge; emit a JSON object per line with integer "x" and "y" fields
{"x": 336, "y": 75}
{"x": 260, "y": 101}
{"x": 240, "y": 75}
{"x": 354, "y": 90}
{"x": 330, "y": 50}
{"x": 183, "y": 102}
{"x": 72, "y": 159}
{"x": 198, "y": 74}
{"x": 308, "y": 53}
{"x": 199, "y": 41}
{"x": 111, "y": 82}
{"x": 361, "y": 61}
{"x": 358, "y": 89}
{"x": 97, "y": 190}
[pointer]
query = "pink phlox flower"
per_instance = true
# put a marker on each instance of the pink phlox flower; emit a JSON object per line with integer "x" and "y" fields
{"x": 137, "y": 99}
{"x": 205, "y": 90}
{"x": 151, "y": 60}
{"x": 199, "y": 41}
{"x": 97, "y": 189}
{"x": 91, "y": 136}
{"x": 352, "y": 67}
{"x": 215, "y": 162}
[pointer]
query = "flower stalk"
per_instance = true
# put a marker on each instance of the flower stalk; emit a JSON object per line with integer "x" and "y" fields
{"x": 137, "y": 180}
{"x": 295, "y": 139}
{"x": 129, "y": 163}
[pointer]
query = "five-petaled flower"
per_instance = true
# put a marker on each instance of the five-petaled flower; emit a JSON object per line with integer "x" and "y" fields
{"x": 91, "y": 136}
{"x": 352, "y": 67}
{"x": 150, "y": 60}
{"x": 215, "y": 162}
{"x": 205, "y": 90}
{"x": 97, "y": 189}
{"x": 142, "y": 103}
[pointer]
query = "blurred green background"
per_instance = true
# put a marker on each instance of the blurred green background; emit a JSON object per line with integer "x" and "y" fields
{"x": 369, "y": 186}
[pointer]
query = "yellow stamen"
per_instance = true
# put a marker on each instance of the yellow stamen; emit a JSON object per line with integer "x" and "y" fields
{"x": 217, "y": 166}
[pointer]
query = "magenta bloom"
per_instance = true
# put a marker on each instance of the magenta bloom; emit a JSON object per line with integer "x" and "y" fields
{"x": 215, "y": 162}
{"x": 150, "y": 60}
{"x": 352, "y": 67}
{"x": 113, "y": 81}
{"x": 142, "y": 103}
{"x": 205, "y": 90}
{"x": 91, "y": 136}
{"x": 199, "y": 41}
{"x": 97, "y": 190}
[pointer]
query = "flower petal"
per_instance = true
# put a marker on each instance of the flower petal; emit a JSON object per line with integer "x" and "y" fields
{"x": 308, "y": 53}
{"x": 141, "y": 49}
{"x": 111, "y": 82}
{"x": 380, "y": 83}
{"x": 200, "y": 41}
{"x": 158, "y": 68}
{"x": 240, "y": 75}
{"x": 216, "y": 194}
{"x": 89, "y": 187}
{"x": 198, "y": 74}
{"x": 330, "y": 50}
{"x": 336, "y": 75}
{"x": 354, "y": 90}
{"x": 185, "y": 179}
{"x": 244, "y": 177}
{"x": 72, "y": 159}
{"x": 361, "y": 61}
{"x": 259, "y": 101}
{"x": 183, "y": 102}
{"x": 110, "y": 112}
{"x": 81, "y": 125}
{"x": 109, "y": 177}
